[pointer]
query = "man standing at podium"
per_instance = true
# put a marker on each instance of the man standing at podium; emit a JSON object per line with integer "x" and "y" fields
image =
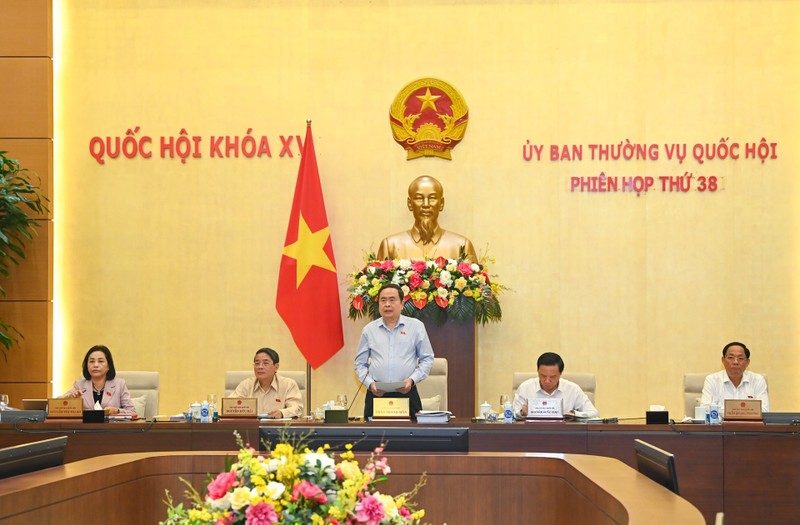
{"x": 393, "y": 348}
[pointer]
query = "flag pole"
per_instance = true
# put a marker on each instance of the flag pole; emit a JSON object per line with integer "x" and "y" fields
{"x": 308, "y": 388}
{"x": 308, "y": 365}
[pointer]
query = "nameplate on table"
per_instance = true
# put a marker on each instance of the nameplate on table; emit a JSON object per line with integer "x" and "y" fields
{"x": 743, "y": 410}
{"x": 239, "y": 407}
{"x": 65, "y": 408}
{"x": 545, "y": 408}
{"x": 390, "y": 408}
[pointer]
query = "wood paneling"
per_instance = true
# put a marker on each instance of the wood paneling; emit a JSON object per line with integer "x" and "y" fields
{"x": 27, "y": 28}
{"x": 36, "y": 155}
{"x": 30, "y": 360}
{"x": 26, "y": 97}
{"x": 491, "y": 488}
{"x": 32, "y": 279}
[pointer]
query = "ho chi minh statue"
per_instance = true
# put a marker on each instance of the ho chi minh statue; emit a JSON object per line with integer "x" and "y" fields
{"x": 426, "y": 238}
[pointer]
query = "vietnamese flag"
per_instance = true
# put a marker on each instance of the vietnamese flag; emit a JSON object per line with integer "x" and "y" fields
{"x": 308, "y": 290}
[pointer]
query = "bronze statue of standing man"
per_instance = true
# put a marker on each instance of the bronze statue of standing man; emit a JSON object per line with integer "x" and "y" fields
{"x": 426, "y": 239}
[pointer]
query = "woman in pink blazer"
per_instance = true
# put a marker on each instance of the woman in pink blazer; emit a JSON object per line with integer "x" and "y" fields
{"x": 99, "y": 384}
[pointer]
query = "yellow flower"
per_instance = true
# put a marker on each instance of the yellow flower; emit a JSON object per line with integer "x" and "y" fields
{"x": 201, "y": 515}
{"x": 389, "y": 507}
{"x": 418, "y": 515}
{"x": 460, "y": 283}
{"x": 350, "y": 469}
{"x": 240, "y": 497}
{"x": 362, "y": 279}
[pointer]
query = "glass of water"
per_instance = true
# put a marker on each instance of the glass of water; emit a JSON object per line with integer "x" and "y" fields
{"x": 503, "y": 400}
{"x": 3, "y": 401}
{"x": 341, "y": 400}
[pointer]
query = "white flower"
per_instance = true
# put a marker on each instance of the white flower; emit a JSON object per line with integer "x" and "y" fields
{"x": 273, "y": 463}
{"x": 223, "y": 503}
{"x": 475, "y": 267}
{"x": 405, "y": 264}
{"x": 430, "y": 264}
{"x": 323, "y": 461}
{"x": 442, "y": 292}
{"x": 275, "y": 490}
{"x": 445, "y": 278}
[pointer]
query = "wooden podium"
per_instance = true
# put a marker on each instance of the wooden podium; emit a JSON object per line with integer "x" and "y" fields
{"x": 458, "y": 343}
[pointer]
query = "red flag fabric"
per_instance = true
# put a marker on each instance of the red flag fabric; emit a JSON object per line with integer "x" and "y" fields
{"x": 308, "y": 290}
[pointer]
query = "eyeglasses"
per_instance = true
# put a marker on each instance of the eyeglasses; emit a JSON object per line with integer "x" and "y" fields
{"x": 262, "y": 363}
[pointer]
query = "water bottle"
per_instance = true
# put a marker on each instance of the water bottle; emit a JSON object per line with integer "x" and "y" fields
{"x": 508, "y": 413}
{"x": 212, "y": 407}
{"x": 205, "y": 415}
{"x": 713, "y": 413}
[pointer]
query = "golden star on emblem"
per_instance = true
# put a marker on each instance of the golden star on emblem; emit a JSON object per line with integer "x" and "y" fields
{"x": 428, "y": 100}
{"x": 309, "y": 250}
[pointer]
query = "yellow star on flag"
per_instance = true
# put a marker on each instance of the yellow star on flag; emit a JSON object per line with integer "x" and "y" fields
{"x": 428, "y": 100}
{"x": 309, "y": 250}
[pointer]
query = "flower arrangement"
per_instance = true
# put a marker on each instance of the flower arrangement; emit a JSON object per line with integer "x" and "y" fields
{"x": 295, "y": 485}
{"x": 438, "y": 289}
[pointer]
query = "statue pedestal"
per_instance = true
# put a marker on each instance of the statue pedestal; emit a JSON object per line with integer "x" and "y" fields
{"x": 458, "y": 343}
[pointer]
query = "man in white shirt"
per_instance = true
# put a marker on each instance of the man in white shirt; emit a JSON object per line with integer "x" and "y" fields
{"x": 549, "y": 384}
{"x": 735, "y": 382}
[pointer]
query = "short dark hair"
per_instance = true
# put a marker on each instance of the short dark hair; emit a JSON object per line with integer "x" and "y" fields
{"x": 112, "y": 372}
{"x": 736, "y": 343}
{"x": 393, "y": 286}
{"x": 550, "y": 359}
{"x": 271, "y": 353}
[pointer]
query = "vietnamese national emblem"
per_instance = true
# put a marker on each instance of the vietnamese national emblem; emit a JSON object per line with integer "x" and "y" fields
{"x": 428, "y": 118}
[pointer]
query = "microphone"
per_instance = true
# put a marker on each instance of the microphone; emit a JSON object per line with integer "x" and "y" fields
{"x": 352, "y": 401}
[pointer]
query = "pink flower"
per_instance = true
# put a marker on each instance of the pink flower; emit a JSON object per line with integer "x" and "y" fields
{"x": 388, "y": 264}
{"x": 404, "y": 512}
{"x": 369, "y": 511}
{"x": 418, "y": 266}
{"x": 465, "y": 269}
{"x": 221, "y": 485}
{"x": 383, "y": 465}
{"x": 309, "y": 491}
{"x": 414, "y": 281}
{"x": 261, "y": 514}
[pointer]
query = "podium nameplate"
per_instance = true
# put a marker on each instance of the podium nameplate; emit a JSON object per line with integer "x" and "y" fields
{"x": 239, "y": 407}
{"x": 743, "y": 410}
{"x": 391, "y": 408}
{"x": 65, "y": 408}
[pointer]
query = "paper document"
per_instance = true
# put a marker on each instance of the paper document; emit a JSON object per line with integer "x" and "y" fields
{"x": 389, "y": 386}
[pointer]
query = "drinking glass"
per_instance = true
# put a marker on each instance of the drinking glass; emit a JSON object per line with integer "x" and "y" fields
{"x": 341, "y": 400}
{"x": 503, "y": 401}
{"x": 3, "y": 401}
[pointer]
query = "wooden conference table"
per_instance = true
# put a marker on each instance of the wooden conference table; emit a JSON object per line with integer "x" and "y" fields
{"x": 749, "y": 471}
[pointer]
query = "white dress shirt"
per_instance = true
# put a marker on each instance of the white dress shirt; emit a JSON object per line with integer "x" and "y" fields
{"x": 719, "y": 387}
{"x": 574, "y": 399}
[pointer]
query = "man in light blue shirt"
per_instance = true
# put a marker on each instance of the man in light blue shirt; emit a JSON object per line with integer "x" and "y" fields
{"x": 393, "y": 348}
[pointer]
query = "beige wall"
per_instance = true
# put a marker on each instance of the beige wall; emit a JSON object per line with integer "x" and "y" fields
{"x": 174, "y": 265}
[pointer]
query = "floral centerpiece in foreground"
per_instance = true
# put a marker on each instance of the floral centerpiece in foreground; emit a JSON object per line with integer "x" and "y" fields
{"x": 299, "y": 487}
{"x": 438, "y": 289}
